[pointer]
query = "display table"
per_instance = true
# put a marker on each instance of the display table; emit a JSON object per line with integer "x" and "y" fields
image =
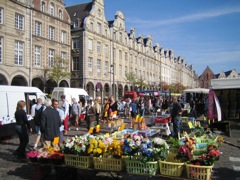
{"x": 8, "y": 130}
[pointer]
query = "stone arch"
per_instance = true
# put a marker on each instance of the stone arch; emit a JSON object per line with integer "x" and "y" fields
{"x": 63, "y": 83}
{"x": 19, "y": 80}
{"x": 120, "y": 91}
{"x": 126, "y": 88}
{"x": 106, "y": 90}
{"x": 98, "y": 89}
{"x": 50, "y": 84}
{"x": 90, "y": 89}
{"x": 3, "y": 80}
{"x": 38, "y": 82}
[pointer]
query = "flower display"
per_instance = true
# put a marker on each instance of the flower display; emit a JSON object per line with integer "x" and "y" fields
{"x": 77, "y": 145}
{"x": 115, "y": 148}
{"x": 97, "y": 146}
{"x": 184, "y": 153}
{"x": 149, "y": 149}
{"x": 131, "y": 145}
{"x": 45, "y": 154}
{"x": 32, "y": 154}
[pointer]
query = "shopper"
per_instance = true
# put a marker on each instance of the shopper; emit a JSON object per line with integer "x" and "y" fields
{"x": 50, "y": 123}
{"x": 36, "y": 113}
{"x": 22, "y": 126}
{"x": 65, "y": 108}
{"x": 176, "y": 113}
{"x": 90, "y": 114}
{"x": 97, "y": 108}
{"x": 61, "y": 114}
{"x": 75, "y": 112}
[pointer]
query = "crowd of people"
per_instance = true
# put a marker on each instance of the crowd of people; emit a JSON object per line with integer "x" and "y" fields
{"x": 52, "y": 120}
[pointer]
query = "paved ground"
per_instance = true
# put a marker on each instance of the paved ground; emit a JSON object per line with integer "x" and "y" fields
{"x": 228, "y": 167}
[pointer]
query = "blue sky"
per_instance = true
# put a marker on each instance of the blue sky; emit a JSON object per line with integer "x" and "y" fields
{"x": 204, "y": 32}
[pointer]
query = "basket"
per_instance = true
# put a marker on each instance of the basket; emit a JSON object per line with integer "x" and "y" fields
{"x": 137, "y": 167}
{"x": 171, "y": 168}
{"x": 78, "y": 161}
{"x": 109, "y": 164}
{"x": 199, "y": 172}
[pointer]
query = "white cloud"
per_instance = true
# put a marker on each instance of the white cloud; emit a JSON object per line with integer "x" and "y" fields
{"x": 184, "y": 19}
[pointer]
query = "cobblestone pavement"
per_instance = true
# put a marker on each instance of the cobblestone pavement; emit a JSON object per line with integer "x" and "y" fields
{"x": 228, "y": 167}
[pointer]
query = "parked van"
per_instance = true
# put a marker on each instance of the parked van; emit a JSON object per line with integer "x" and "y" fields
{"x": 78, "y": 93}
{"x": 10, "y": 95}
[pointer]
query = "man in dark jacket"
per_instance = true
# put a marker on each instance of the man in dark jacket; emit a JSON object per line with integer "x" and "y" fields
{"x": 50, "y": 123}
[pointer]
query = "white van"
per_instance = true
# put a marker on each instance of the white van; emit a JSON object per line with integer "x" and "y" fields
{"x": 78, "y": 93}
{"x": 10, "y": 95}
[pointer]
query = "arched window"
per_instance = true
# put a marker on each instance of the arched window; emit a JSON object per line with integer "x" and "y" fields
{"x": 51, "y": 9}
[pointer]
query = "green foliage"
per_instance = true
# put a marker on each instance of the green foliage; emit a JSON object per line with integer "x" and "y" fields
{"x": 199, "y": 131}
{"x": 175, "y": 143}
{"x": 131, "y": 78}
{"x": 59, "y": 71}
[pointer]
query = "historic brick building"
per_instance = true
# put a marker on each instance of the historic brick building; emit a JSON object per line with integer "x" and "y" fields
{"x": 205, "y": 78}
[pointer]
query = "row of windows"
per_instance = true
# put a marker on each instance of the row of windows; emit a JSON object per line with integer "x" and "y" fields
{"x": 106, "y": 68}
{"x": 19, "y": 24}
{"x": 51, "y": 9}
{"x": 51, "y": 32}
{"x": 19, "y": 52}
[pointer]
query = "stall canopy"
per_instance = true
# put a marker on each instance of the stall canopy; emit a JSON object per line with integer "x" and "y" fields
{"x": 197, "y": 90}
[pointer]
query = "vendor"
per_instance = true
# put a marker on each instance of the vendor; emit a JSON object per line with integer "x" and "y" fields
{"x": 113, "y": 106}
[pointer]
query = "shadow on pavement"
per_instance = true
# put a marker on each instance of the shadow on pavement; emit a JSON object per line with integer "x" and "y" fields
{"x": 26, "y": 171}
{"x": 230, "y": 144}
{"x": 225, "y": 173}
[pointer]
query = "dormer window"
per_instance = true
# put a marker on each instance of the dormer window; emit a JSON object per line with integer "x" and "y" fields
{"x": 75, "y": 24}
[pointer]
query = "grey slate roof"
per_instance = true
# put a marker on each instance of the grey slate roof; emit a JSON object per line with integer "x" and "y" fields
{"x": 79, "y": 11}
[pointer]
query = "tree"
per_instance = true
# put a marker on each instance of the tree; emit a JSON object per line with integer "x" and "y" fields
{"x": 164, "y": 86}
{"x": 59, "y": 71}
{"x": 131, "y": 78}
{"x": 141, "y": 83}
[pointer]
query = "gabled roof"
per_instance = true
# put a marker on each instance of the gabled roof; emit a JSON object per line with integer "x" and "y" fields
{"x": 79, "y": 11}
{"x": 207, "y": 69}
{"x": 227, "y": 73}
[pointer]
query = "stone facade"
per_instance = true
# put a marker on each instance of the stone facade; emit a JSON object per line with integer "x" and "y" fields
{"x": 33, "y": 33}
{"x": 103, "y": 52}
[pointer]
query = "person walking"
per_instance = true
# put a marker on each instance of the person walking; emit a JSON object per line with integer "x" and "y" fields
{"x": 36, "y": 113}
{"x": 50, "y": 123}
{"x": 65, "y": 108}
{"x": 22, "y": 127}
{"x": 133, "y": 110}
{"x": 75, "y": 112}
{"x": 90, "y": 114}
{"x": 141, "y": 106}
{"x": 105, "y": 113}
{"x": 97, "y": 108}
{"x": 113, "y": 107}
{"x": 61, "y": 114}
{"x": 176, "y": 112}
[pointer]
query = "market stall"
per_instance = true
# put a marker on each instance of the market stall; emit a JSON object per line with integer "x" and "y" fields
{"x": 193, "y": 156}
